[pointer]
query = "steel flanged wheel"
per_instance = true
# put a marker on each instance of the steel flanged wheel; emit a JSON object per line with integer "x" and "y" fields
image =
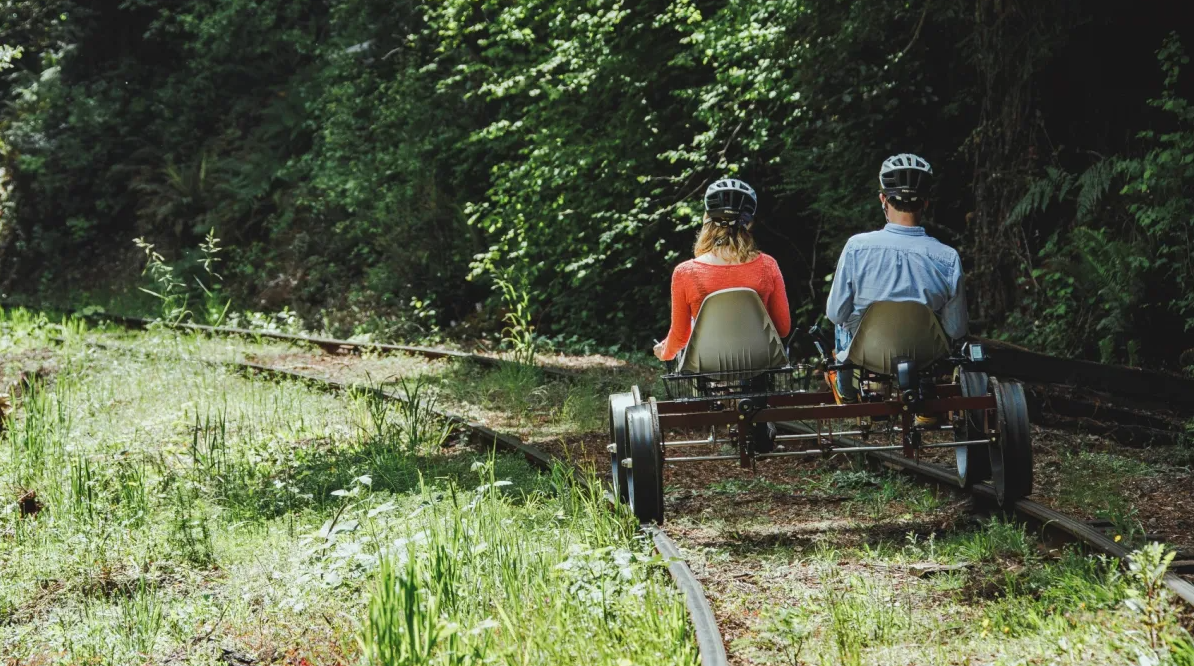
{"x": 618, "y": 404}
{"x": 974, "y": 462}
{"x": 645, "y": 475}
{"x": 1011, "y": 452}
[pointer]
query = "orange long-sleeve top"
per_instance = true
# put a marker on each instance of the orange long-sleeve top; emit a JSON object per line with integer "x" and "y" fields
{"x": 692, "y": 281}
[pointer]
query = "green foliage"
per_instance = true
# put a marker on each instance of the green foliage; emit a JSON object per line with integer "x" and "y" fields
{"x": 174, "y": 294}
{"x": 1150, "y": 597}
{"x": 1104, "y": 285}
{"x": 177, "y": 500}
{"x": 1159, "y": 184}
{"x": 379, "y": 168}
{"x": 168, "y": 287}
{"x": 406, "y": 626}
{"x": 7, "y": 55}
{"x": 367, "y": 157}
{"x": 519, "y": 332}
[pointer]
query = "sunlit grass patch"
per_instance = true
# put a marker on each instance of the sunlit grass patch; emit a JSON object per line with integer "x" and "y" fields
{"x": 490, "y": 566}
{"x": 185, "y": 512}
{"x": 527, "y": 397}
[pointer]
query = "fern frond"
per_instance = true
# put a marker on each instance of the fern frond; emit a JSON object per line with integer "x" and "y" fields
{"x": 1092, "y": 185}
{"x": 1055, "y": 184}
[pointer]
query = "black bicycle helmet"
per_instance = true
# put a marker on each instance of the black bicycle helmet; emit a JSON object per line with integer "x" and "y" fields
{"x": 730, "y": 202}
{"x": 905, "y": 178}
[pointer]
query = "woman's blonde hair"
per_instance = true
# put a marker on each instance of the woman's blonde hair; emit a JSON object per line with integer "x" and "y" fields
{"x": 736, "y": 243}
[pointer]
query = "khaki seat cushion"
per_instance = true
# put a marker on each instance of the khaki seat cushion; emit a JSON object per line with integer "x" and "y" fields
{"x": 733, "y": 334}
{"x": 891, "y": 330}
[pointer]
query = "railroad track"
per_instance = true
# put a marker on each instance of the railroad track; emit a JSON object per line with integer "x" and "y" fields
{"x": 709, "y": 639}
{"x": 1047, "y": 518}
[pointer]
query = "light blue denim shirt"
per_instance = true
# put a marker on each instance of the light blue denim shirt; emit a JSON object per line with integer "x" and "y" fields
{"x": 896, "y": 263}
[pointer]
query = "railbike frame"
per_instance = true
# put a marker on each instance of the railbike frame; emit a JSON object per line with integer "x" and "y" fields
{"x": 819, "y": 407}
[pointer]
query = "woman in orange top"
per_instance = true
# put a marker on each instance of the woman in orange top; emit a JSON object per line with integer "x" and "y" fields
{"x": 725, "y": 257}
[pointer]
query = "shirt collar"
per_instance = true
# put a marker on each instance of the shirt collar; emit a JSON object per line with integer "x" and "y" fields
{"x": 902, "y": 230}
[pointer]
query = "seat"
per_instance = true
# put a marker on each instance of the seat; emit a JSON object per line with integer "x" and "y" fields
{"x": 892, "y": 330}
{"x": 733, "y": 336}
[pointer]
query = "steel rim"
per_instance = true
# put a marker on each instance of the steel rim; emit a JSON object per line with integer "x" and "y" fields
{"x": 618, "y": 404}
{"x": 973, "y": 462}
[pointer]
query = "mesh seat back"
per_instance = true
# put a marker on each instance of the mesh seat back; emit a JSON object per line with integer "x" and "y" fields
{"x": 733, "y": 334}
{"x": 891, "y": 330}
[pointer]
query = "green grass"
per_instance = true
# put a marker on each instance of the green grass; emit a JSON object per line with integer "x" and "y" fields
{"x": 1093, "y": 482}
{"x": 187, "y": 513}
{"x": 517, "y": 398}
{"x": 868, "y": 568}
{"x": 1006, "y": 604}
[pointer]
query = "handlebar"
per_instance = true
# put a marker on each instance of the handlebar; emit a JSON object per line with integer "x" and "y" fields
{"x": 819, "y": 340}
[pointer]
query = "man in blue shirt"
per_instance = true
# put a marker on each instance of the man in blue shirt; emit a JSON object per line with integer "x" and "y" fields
{"x": 897, "y": 263}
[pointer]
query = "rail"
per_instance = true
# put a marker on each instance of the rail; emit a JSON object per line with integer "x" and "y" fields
{"x": 327, "y": 344}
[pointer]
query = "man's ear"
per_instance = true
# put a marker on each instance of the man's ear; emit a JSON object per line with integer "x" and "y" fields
{"x": 882, "y": 199}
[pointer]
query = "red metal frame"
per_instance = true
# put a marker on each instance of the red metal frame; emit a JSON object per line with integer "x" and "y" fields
{"x": 818, "y": 407}
{"x": 782, "y": 400}
{"x": 806, "y": 407}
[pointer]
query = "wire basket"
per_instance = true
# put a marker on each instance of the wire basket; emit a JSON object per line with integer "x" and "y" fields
{"x": 791, "y": 379}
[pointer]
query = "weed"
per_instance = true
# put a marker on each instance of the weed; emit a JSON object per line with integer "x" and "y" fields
{"x": 215, "y": 308}
{"x": 519, "y": 332}
{"x": 997, "y": 539}
{"x": 82, "y": 488}
{"x": 405, "y": 625}
{"x": 862, "y": 613}
{"x": 169, "y": 290}
{"x": 209, "y": 445}
{"x": 141, "y": 617}
{"x": 584, "y": 410}
{"x": 1149, "y": 596}
{"x": 1124, "y": 521}
{"x": 404, "y": 424}
{"x": 789, "y": 631}
{"x": 420, "y": 426}
{"x": 132, "y": 479}
{"x": 190, "y": 533}
{"x": 1181, "y": 650}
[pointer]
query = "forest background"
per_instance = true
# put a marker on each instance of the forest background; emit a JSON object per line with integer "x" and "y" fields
{"x": 382, "y": 167}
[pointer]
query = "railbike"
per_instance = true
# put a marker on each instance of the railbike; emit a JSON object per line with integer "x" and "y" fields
{"x": 735, "y": 382}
